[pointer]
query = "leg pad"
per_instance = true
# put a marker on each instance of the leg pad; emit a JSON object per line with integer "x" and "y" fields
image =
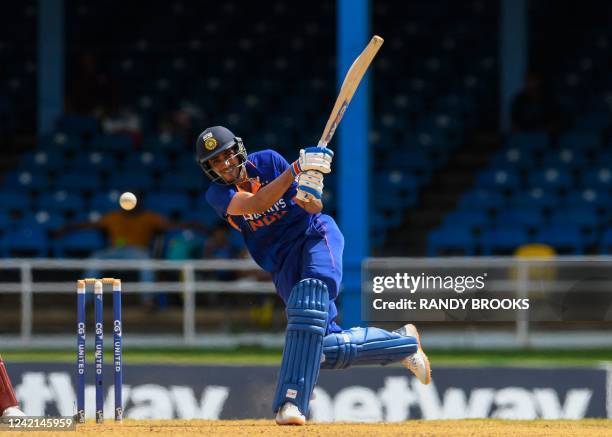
{"x": 307, "y": 308}
{"x": 363, "y": 346}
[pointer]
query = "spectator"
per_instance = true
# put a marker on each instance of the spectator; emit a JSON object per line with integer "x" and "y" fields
{"x": 535, "y": 108}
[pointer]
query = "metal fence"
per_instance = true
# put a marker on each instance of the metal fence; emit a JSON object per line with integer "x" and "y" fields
{"x": 521, "y": 276}
{"x": 187, "y": 285}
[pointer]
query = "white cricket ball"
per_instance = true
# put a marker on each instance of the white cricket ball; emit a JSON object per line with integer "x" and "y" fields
{"x": 127, "y": 201}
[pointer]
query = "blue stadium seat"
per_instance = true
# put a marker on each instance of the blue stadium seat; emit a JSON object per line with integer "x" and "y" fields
{"x": 512, "y": 158}
{"x": 530, "y": 218}
{"x": 93, "y": 160}
{"x": 551, "y": 178}
{"x": 168, "y": 203}
{"x": 42, "y": 161}
{"x": 580, "y": 140}
{"x": 79, "y": 180}
{"x": 597, "y": 178}
{"x": 24, "y": 181}
{"x": 14, "y": 202}
{"x": 61, "y": 141}
{"x": 205, "y": 215}
{"x": 81, "y": 243}
{"x": 473, "y": 219}
{"x": 481, "y": 199}
{"x": 63, "y": 201}
{"x": 183, "y": 181}
{"x": 501, "y": 180}
{"x": 6, "y": 221}
{"x": 162, "y": 142}
{"x": 605, "y": 246}
{"x": 535, "y": 198}
{"x": 566, "y": 157}
{"x": 105, "y": 201}
{"x": 566, "y": 239}
{"x": 451, "y": 239}
{"x": 26, "y": 242}
{"x": 43, "y": 219}
{"x": 133, "y": 181}
{"x": 588, "y": 197}
{"x": 144, "y": 162}
{"x": 503, "y": 240}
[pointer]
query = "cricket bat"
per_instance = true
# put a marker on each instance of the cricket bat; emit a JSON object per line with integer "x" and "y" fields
{"x": 347, "y": 90}
{"x": 349, "y": 86}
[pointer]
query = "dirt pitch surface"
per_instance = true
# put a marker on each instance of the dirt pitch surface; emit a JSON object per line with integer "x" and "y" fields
{"x": 267, "y": 428}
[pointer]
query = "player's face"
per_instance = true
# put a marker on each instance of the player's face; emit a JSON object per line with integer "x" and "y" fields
{"x": 226, "y": 165}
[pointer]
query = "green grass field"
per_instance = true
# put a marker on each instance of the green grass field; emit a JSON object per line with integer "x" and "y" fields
{"x": 248, "y": 355}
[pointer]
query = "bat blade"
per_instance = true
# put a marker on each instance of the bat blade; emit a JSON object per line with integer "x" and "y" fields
{"x": 349, "y": 86}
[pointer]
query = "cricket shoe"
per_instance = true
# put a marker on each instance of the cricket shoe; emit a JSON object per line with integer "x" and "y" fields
{"x": 417, "y": 363}
{"x": 289, "y": 414}
{"x": 13, "y": 412}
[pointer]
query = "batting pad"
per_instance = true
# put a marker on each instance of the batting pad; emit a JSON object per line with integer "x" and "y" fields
{"x": 306, "y": 325}
{"x": 362, "y": 346}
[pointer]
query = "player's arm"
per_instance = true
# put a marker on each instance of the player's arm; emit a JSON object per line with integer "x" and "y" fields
{"x": 248, "y": 203}
{"x": 312, "y": 159}
{"x": 314, "y": 206}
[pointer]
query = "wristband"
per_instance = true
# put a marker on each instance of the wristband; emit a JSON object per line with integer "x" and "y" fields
{"x": 295, "y": 169}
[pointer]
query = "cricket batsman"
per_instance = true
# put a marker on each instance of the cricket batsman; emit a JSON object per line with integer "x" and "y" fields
{"x": 259, "y": 195}
{"x": 8, "y": 402}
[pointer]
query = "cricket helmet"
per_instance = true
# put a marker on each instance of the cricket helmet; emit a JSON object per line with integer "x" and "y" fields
{"x": 213, "y": 141}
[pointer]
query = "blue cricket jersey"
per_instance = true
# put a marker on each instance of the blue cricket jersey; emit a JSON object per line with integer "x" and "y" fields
{"x": 269, "y": 236}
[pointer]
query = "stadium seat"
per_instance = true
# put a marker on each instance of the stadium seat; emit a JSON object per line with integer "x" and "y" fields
{"x": 78, "y": 181}
{"x": 168, "y": 203}
{"x": 502, "y": 180}
{"x": 503, "y": 240}
{"x": 566, "y": 239}
{"x": 106, "y": 201}
{"x": 26, "y": 242}
{"x": 134, "y": 181}
{"x": 24, "y": 181}
{"x": 597, "y": 178}
{"x": 61, "y": 200}
{"x": 481, "y": 199}
{"x": 453, "y": 239}
{"x": 474, "y": 219}
{"x": 535, "y": 198}
{"x": 80, "y": 244}
{"x": 530, "y": 218}
{"x": 580, "y": 140}
{"x": 605, "y": 246}
{"x": 14, "y": 202}
{"x": 551, "y": 178}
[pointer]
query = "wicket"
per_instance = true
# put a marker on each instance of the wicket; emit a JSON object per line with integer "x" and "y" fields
{"x": 99, "y": 346}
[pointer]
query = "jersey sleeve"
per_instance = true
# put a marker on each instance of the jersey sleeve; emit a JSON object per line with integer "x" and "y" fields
{"x": 219, "y": 197}
{"x": 280, "y": 164}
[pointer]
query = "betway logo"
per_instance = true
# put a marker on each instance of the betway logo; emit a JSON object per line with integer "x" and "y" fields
{"x": 400, "y": 395}
{"x": 39, "y": 391}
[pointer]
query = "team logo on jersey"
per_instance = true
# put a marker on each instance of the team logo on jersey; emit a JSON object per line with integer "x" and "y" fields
{"x": 210, "y": 143}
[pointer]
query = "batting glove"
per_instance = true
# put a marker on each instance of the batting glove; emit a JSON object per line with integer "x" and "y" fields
{"x": 313, "y": 158}
{"x": 310, "y": 185}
